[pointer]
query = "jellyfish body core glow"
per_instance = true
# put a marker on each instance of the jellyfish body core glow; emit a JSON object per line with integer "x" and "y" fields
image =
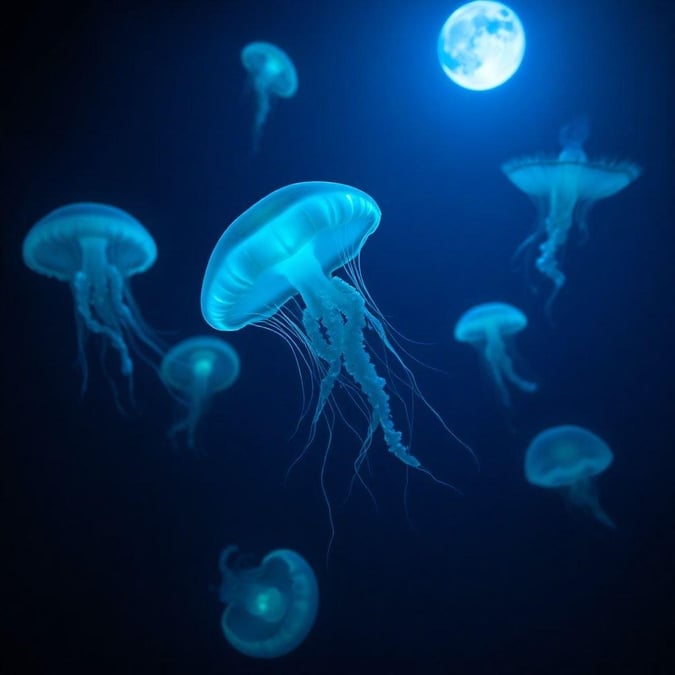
{"x": 481, "y": 45}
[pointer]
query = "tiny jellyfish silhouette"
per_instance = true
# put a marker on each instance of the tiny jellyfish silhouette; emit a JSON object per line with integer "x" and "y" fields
{"x": 96, "y": 248}
{"x": 273, "y": 74}
{"x": 194, "y": 370}
{"x": 489, "y": 327}
{"x": 564, "y": 189}
{"x": 570, "y": 457}
{"x": 270, "y": 608}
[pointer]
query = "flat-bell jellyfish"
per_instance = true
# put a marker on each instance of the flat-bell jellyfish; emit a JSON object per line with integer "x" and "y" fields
{"x": 194, "y": 370}
{"x": 488, "y": 327}
{"x": 564, "y": 189}
{"x": 273, "y": 74}
{"x": 570, "y": 457}
{"x": 270, "y": 608}
{"x": 96, "y": 248}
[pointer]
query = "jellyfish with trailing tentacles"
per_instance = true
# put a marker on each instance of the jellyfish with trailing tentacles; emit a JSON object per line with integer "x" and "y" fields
{"x": 289, "y": 244}
{"x": 570, "y": 457}
{"x": 488, "y": 327}
{"x": 96, "y": 248}
{"x": 194, "y": 370}
{"x": 270, "y": 608}
{"x": 564, "y": 189}
{"x": 273, "y": 74}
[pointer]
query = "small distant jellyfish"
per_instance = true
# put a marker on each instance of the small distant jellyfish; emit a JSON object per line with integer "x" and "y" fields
{"x": 96, "y": 248}
{"x": 570, "y": 457}
{"x": 488, "y": 327}
{"x": 270, "y": 608}
{"x": 194, "y": 370}
{"x": 564, "y": 189}
{"x": 273, "y": 74}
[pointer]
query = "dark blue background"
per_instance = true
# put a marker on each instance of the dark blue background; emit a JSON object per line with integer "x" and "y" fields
{"x": 112, "y": 538}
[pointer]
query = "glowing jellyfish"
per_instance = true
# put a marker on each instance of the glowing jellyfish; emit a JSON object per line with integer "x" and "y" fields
{"x": 273, "y": 74}
{"x": 194, "y": 370}
{"x": 488, "y": 327}
{"x": 270, "y": 608}
{"x": 570, "y": 457}
{"x": 289, "y": 244}
{"x": 564, "y": 189}
{"x": 96, "y": 249}
{"x": 481, "y": 45}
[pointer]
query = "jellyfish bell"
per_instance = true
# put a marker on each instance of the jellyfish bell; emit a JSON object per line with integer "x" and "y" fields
{"x": 570, "y": 457}
{"x": 564, "y": 188}
{"x": 270, "y": 607}
{"x": 96, "y": 249}
{"x": 195, "y": 370}
{"x": 273, "y": 74}
{"x": 488, "y": 327}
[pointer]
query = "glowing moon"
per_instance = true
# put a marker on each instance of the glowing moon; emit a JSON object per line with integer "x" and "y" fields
{"x": 481, "y": 45}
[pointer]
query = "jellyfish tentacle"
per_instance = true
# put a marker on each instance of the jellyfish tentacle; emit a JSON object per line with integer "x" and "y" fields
{"x": 495, "y": 354}
{"x": 513, "y": 377}
{"x": 331, "y": 352}
{"x": 583, "y": 493}
{"x": 263, "y": 105}
{"x": 82, "y": 291}
{"x": 338, "y": 309}
{"x": 361, "y": 368}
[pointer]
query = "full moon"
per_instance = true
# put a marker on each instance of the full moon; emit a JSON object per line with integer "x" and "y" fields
{"x": 481, "y": 45}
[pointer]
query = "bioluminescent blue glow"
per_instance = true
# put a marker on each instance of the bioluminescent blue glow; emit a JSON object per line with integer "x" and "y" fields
{"x": 270, "y": 608}
{"x": 96, "y": 248}
{"x": 284, "y": 249}
{"x": 488, "y": 327}
{"x": 272, "y": 74}
{"x": 564, "y": 189}
{"x": 194, "y": 370}
{"x": 570, "y": 457}
{"x": 481, "y": 45}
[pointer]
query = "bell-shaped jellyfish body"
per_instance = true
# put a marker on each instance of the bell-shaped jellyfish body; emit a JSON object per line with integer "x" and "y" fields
{"x": 270, "y": 608}
{"x": 569, "y": 457}
{"x": 289, "y": 244}
{"x": 488, "y": 327}
{"x": 564, "y": 188}
{"x": 96, "y": 248}
{"x": 273, "y": 74}
{"x": 194, "y": 370}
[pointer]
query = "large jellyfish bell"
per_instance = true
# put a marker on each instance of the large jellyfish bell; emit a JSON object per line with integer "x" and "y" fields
{"x": 564, "y": 189}
{"x": 270, "y": 608}
{"x": 488, "y": 327}
{"x": 273, "y": 74}
{"x": 96, "y": 248}
{"x": 194, "y": 370}
{"x": 570, "y": 457}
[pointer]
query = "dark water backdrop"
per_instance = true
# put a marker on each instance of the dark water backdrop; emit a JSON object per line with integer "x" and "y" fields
{"x": 111, "y": 539}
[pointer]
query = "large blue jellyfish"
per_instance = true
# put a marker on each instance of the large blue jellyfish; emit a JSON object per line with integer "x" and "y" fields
{"x": 194, "y": 370}
{"x": 564, "y": 189}
{"x": 488, "y": 327}
{"x": 570, "y": 457}
{"x": 270, "y": 608}
{"x": 289, "y": 244}
{"x": 273, "y": 74}
{"x": 96, "y": 248}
